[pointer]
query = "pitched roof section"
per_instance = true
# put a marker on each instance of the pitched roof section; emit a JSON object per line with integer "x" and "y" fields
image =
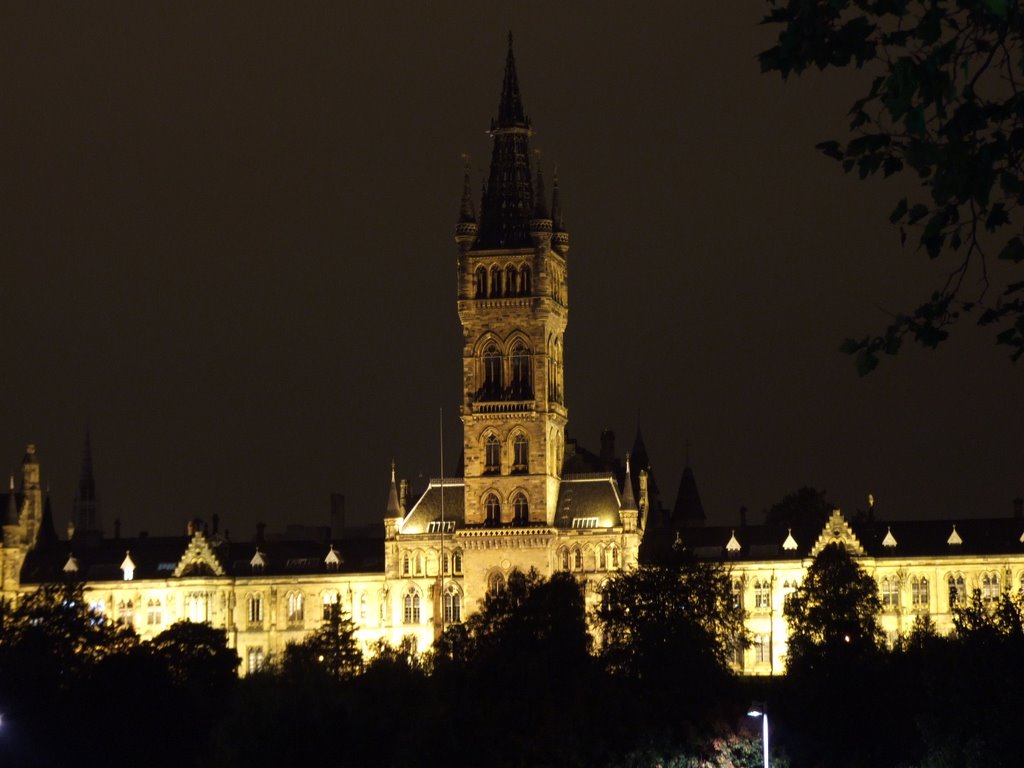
{"x": 588, "y": 497}
{"x": 510, "y": 108}
{"x": 448, "y": 499}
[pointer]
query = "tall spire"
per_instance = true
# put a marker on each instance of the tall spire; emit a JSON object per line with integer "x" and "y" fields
{"x": 507, "y": 204}
{"x": 510, "y": 108}
{"x": 628, "y": 499}
{"x": 84, "y": 513}
{"x": 394, "y": 509}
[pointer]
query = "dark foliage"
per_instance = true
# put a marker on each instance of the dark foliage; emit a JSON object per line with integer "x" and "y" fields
{"x": 943, "y": 103}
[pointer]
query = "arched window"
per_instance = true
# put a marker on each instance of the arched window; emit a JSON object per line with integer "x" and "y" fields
{"x": 296, "y": 608}
{"x": 362, "y": 607}
{"x": 495, "y": 583}
{"x": 406, "y": 568}
{"x": 521, "y": 454}
{"x": 762, "y": 594}
{"x": 957, "y": 590}
{"x": 492, "y": 455}
{"x": 419, "y": 563}
{"x": 154, "y": 614}
{"x": 602, "y": 562}
{"x": 332, "y": 605}
{"x": 511, "y": 289}
{"x": 890, "y": 592}
{"x": 492, "y": 371}
{"x": 613, "y": 557}
{"x": 919, "y": 592}
{"x": 989, "y": 587}
{"x": 452, "y": 605}
{"x": 383, "y": 617}
{"x": 457, "y": 561}
{"x": 126, "y": 613}
{"x": 737, "y": 594}
{"x": 577, "y": 559}
{"x": 524, "y": 282}
{"x": 495, "y": 286}
{"x": 255, "y": 613}
{"x": 481, "y": 283}
{"x": 563, "y": 556}
{"x": 521, "y": 509}
{"x": 411, "y": 612}
{"x": 493, "y": 508}
{"x": 522, "y": 381}
{"x": 445, "y": 563}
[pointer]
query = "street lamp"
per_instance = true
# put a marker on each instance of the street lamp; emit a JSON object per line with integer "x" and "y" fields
{"x": 758, "y": 709}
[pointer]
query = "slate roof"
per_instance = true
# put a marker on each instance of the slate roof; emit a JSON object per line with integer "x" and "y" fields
{"x": 428, "y": 508}
{"x": 157, "y": 557}
{"x": 588, "y": 496}
{"x": 914, "y": 538}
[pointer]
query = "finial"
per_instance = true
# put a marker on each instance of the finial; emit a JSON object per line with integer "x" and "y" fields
{"x": 392, "y": 470}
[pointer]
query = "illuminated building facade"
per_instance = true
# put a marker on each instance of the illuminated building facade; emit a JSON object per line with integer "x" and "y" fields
{"x": 527, "y": 497}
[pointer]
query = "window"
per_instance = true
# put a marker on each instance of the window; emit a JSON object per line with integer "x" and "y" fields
{"x": 521, "y": 509}
{"x": 197, "y": 607}
{"x": 296, "y": 608}
{"x": 737, "y": 594}
{"x": 524, "y": 282}
{"x": 452, "y": 606}
{"x": 481, "y": 282}
{"x": 439, "y": 526}
{"x": 495, "y": 583}
{"x": 411, "y": 614}
{"x": 522, "y": 381}
{"x": 957, "y": 590}
{"x": 331, "y": 605}
{"x": 255, "y": 612}
{"x": 762, "y": 648}
{"x": 406, "y": 567}
{"x": 919, "y": 592}
{"x": 563, "y": 556}
{"x": 989, "y": 587}
{"x": 362, "y": 607}
{"x": 445, "y": 563}
{"x": 584, "y": 522}
{"x": 492, "y": 455}
{"x": 577, "y": 559}
{"x": 254, "y": 660}
{"x": 492, "y": 371}
{"x": 613, "y": 557}
{"x": 495, "y": 282}
{"x": 890, "y": 592}
{"x": 154, "y": 614}
{"x": 493, "y": 508}
{"x": 601, "y": 560}
{"x": 762, "y": 594}
{"x": 457, "y": 561}
{"x": 521, "y": 454}
{"x": 419, "y": 563}
{"x": 383, "y": 616}
{"x": 510, "y": 281}
{"x": 126, "y": 613}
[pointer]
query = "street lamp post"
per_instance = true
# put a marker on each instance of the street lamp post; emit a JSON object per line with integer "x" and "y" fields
{"x": 758, "y": 709}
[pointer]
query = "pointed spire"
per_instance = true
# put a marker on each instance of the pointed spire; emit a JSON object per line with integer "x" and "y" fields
{"x": 510, "y": 108}
{"x": 688, "y": 506}
{"x": 556, "y": 205}
{"x": 540, "y": 209}
{"x": 47, "y": 534}
{"x": 508, "y": 203}
{"x": 393, "y": 509}
{"x": 467, "y": 214}
{"x": 628, "y": 500}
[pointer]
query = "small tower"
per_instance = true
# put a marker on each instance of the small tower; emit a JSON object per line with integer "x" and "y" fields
{"x": 628, "y": 509}
{"x": 392, "y": 519}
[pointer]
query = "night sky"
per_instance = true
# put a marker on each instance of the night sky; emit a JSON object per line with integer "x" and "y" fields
{"x": 226, "y": 246}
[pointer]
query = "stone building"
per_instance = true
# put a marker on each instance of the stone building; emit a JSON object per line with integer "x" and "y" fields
{"x": 527, "y": 497}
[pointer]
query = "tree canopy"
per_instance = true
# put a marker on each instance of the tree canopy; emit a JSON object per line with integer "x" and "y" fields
{"x": 942, "y": 101}
{"x": 805, "y": 506}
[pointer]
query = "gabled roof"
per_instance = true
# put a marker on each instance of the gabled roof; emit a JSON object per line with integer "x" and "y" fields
{"x": 428, "y": 509}
{"x": 589, "y": 496}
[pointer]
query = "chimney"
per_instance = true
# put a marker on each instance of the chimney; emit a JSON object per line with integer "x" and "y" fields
{"x": 607, "y": 448}
{"x": 1018, "y": 508}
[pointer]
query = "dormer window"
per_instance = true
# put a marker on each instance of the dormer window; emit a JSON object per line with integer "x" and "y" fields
{"x": 128, "y": 567}
{"x": 333, "y": 559}
{"x": 258, "y": 562}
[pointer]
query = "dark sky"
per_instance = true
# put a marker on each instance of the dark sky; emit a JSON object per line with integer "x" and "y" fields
{"x": 226, "y": 245}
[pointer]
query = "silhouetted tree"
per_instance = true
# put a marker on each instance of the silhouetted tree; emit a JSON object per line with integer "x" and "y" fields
{"x": 804, "y": 507}
{"x": 943, "y": 104}
{"x": 332, "y": 649}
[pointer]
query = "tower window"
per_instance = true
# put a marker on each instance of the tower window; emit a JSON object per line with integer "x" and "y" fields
{"x": 492, "y": 455}
{"x": 522, "y": 381}
{"x": 493, "y": 509}
{"x": 521, "y": 509}
{"x": 481, "y": 283}
{"x": 521, "y": 454}
{"x": 492, "y": 372}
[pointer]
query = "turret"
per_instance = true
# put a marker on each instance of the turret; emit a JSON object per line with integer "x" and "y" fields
{"x": 393, "y": 512}
{"x": 540, "y": 224}
{"x": 559, "y": 237}
{"x": 465, "y": 230}
{"x": 628, "y": 510}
